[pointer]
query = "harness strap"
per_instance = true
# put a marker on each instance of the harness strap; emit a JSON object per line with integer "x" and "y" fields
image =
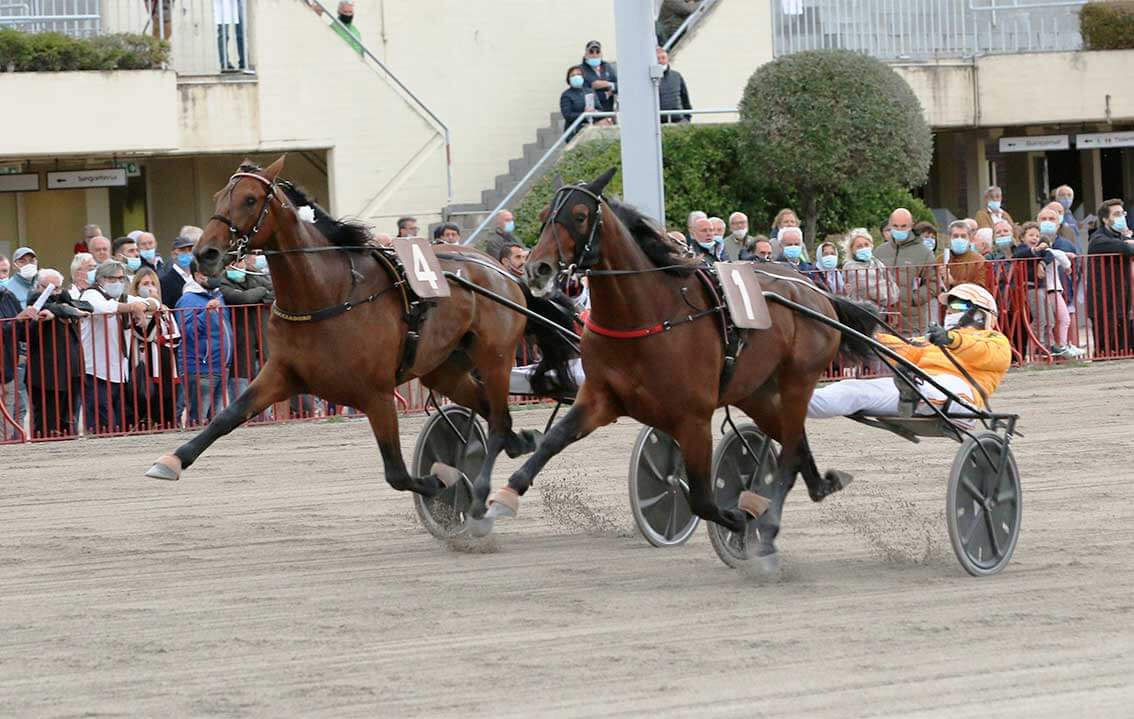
{"x": 639, "y": 332}
{"x": 328, "y": 312}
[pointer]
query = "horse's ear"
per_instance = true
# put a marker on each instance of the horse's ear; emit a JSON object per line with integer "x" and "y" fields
{"x": 273, "y": 170}
{"x": 600, "y": 182}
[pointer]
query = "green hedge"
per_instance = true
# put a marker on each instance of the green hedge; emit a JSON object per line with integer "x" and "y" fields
{"x": 1107, "y": 25}
{"x": 705, "y": 170}
{"x": 55, "y": 52}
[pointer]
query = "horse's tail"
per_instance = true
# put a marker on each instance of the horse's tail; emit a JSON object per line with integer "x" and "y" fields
{"x": 858, "y": 316}
{"x": 552, "y": 376}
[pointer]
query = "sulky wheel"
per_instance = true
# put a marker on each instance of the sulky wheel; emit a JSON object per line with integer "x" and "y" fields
{"x": 443, "y": 515}
{"x": 734, "y": 470}
{"x": 659, "y": 490}
{"x": 983, "y": 506}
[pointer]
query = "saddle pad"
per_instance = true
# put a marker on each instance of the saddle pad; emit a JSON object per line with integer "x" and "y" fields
{"x": 422, "y": 269}
{"x": 743, "y": 295}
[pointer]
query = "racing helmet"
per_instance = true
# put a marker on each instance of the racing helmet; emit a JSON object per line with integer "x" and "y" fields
{"x": 976, "y": 297}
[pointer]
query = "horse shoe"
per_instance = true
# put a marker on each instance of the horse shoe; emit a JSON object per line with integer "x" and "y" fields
{"x": 167, "y": 467}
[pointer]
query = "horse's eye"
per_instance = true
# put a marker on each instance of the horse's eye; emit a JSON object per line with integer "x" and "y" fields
{"x": 250, "y": 201}
{"x": 580, "y": 217}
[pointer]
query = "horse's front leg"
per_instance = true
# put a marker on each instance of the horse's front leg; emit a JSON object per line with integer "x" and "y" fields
{"x": 592, "y": 409}
{"x": 272, "y": 385}
{"x": 383, "y": 416}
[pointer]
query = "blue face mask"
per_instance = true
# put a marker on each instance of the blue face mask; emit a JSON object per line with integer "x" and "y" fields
{"x": 793, "y": 252}
{"x": 719, "y": 239}
{"x": 1047, "y": 227}
{"x": 261, "y": 263}
{"x": 864, "y": 254}
{"x": 994, "y": 205}
{"x": 594, "y": 61}
{"x": 707, "y": 245}
{"x": 148, "y": 255}
{"x": 235, "y": 275}
{"x": 90, "y": 277}
{"x": 1003, "y": 241}
{"x": 510, "y": 226}
{"x": 185, "y": 259}
{"x": 930, "y": 243}
{"x": 576, "y": 81}
{"x": 1119, "y": 223}
{"x": 900, "y": 235}
{"x": 959, "y": 245}
{"x": 133, "y": 263}
{"x": 1066, "y": 202}
{"x": 829, "y": 262}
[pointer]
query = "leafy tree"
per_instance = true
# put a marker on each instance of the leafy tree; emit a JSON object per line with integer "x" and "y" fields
{"x": 830, "y": 124}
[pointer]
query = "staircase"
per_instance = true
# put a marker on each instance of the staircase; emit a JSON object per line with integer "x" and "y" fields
{"x": 470, "y": 214}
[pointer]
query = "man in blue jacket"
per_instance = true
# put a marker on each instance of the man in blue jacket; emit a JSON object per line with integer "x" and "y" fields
{"x": 206, "y": 346}
{"x": 599, "y": 76}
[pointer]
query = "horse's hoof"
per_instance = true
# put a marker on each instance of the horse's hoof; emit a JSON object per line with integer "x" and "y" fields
{"x": 753, "y": 504}
{"x": 833, "y": 481}
{"x": 765, "y": 566}
{"x": 528, "y": 442}
{"x": 167, "y": 467}
{"x": 446, "y": 474}
{"x": 480, "y": 528}
{"x": 503, "y": 503}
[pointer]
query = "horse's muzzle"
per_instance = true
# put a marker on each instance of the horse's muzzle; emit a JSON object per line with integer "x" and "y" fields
{"x": 539, "y": 276}
{"x": 210, "y": 261}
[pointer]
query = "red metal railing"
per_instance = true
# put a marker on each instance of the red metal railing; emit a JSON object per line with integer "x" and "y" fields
{"x": 120, "y": 374}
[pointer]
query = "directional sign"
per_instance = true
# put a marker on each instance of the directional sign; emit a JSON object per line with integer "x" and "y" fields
{"x": 1034, "y": 143}
{"x": 27, "y": 182}
{"x": 1092, "y": 140}
{"x": 132, "y": 168}
{"x": 82, "y": 179}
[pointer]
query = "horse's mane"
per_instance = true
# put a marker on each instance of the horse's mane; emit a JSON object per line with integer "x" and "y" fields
{"x": 659, "y": 248}
{"x": 339, "y": 232}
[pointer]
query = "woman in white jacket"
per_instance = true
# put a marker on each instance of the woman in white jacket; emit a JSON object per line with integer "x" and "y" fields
{"x": 866, "y": 278}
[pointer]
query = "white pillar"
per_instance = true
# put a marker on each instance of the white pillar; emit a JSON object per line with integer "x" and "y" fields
{"x": 642, "y": 181}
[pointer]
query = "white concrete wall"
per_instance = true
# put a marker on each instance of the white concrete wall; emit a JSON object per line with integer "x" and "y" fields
{"x": 726, "y": 47}
{"x": 493, "y": 71}
{"x": 60, "y": 113}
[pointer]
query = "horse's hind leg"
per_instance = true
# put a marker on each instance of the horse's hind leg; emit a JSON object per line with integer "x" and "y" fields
{"x": 272, "y": 384}
{"x": 383, "y": 416}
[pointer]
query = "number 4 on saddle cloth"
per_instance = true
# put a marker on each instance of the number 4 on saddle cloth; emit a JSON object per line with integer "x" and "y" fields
{"x": 422, "y": 270}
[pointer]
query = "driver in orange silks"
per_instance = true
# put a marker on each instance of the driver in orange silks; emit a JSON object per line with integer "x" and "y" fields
{"x": 969, "y": 335}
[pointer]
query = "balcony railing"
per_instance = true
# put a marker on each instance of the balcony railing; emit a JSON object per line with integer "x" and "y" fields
{"x": 206, "y": 38}
{"x": 921, "y": 30}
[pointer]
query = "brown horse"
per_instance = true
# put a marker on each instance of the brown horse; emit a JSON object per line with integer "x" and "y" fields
{"x": 670, "y": 378}
{"x": 339, "y": 327}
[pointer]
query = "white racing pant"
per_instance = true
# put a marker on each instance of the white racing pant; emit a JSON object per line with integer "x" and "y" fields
{"x": 521, "y": 379}
{"x": 879, "y": 397}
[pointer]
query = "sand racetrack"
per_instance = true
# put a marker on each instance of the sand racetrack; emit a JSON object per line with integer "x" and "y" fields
{"x": 282, "y": 577}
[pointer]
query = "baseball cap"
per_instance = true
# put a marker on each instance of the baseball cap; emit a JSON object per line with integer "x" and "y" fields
{"x": 21, "y": 251}
{"x": 594, "y": 45}
{"x": 182, "y": 241}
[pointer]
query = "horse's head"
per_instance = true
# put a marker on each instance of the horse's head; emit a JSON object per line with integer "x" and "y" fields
{"x": 570, "y": 234}
{"x": 243, "y": 219}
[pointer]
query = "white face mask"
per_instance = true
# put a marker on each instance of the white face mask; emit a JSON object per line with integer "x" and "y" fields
{"x": 952, "y": 319}
{"x": 113, "y": 289}
{"x": 146, "y": 291}
{"x": 29, "y": 271}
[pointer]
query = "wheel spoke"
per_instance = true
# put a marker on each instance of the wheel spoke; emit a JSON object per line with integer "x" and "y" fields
{"x": 992, "y": 534}
{"x": 671, "y": 524}
{"x": 1006, "y": 495}
{"x": 972, "y": 527}
{"x": 658, "y": 474}
{"x": 647, "y": 503}
{"x": 976, "y": 493}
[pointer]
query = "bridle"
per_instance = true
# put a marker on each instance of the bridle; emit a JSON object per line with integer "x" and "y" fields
{"x": 239, "y": 240}
{"x": 586, "y": 254}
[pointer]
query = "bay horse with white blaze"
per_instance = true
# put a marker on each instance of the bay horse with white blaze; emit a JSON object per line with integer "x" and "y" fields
{"x": 646, "y": 357}
{"x": 339, "y": 328}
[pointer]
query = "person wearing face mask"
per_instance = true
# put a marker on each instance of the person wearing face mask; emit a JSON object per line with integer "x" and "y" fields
{"x": 1002, "y": 240}
{"x": 867, "y": 279}
{"x": 346, "y": 29}
{"x": 719, "y": 232}
{"x": 147, "y": 249}
{"x": 55, "y": 358}
{"x": 966, "y": 265}
{"x": 672, "y": 92}
{"x": 703, "y": 245}
{"x": 125, "y": 250}
{"x": 206, "y": 347}
{"x": 573, "y": 100}
{"x": 791, "y": 251}
{"x": 1109, "y": 292}
{"x": 913, "y": 268}
{"x": 738, "y": 240}
{"x": 25, "y": 268}
{"x": 105, "y": 357}
{"x": 599, "y": 77}
{"x": 501, "y": 235}
{"x": 248, "y": 296}
{"x": 153, "y": 357}
{"x": 827, "y": 271}
{"x": 761, "y": 249}
{"x": 175, "y": 276}
{"x": 992, "y": 212}
{"x": 927, "y": 232}
{"x": 82, "y": 274}
{"x": 969, "y": 335}
{"x": 1068, "y": 225}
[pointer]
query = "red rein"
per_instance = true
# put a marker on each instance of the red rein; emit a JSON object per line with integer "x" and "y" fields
{"x": 623, "y": 334}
